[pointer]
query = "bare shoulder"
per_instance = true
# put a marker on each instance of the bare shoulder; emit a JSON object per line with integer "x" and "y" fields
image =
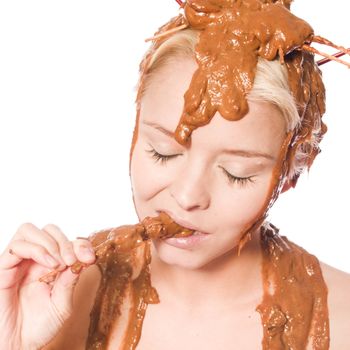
{"x": 338, "y": 283}
{"x": 74, "y": 332}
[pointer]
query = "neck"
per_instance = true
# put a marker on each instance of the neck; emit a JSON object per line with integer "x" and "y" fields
{"x": 228, "y": 278}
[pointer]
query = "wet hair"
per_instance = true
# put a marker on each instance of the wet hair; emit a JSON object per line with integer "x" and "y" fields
{"x": 270, "y": 85}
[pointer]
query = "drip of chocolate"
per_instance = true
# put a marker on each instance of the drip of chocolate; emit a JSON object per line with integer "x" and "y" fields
{"x": 232, "y": 36}
{"x": 294, "y": 308}
{"x": 123, "y": 257}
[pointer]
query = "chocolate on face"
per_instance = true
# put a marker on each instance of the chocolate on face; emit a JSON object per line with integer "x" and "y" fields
{"x": 233, "y": 35}
{"x": 123, "y": 257}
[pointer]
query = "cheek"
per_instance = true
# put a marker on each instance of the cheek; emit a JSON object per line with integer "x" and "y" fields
{"x": 244, "y": 206}
{"x": 147, "y": 177}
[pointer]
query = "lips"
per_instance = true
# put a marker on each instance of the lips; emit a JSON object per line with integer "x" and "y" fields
{"x": 187, "y": 243}
{"x": 184, "y": 223}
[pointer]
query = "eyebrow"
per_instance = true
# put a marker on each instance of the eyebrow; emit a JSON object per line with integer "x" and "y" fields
{"x": 160, "y": 128}
{"x": 249, "y": 154}
{"x": 236, "y": 152}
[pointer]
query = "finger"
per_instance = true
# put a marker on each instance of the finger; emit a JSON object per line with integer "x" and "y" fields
{"x": 62, "y": 294}
{"x": 65, "y": 246}
{"x": 33, "y": 234}
{"x": 19, "y": 250}
{"x": 8, "y": 259}
{"x": 84, "y": 251}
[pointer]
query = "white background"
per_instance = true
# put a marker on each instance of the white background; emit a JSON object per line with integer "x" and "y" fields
{"x": 67, "y": 75}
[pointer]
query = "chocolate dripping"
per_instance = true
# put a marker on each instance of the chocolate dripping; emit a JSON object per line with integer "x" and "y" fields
{"x": 222, "y": 83}
{"x": 123, "y": 257}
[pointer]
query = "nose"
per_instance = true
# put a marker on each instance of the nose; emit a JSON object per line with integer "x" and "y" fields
{"x": 191, "y": 188}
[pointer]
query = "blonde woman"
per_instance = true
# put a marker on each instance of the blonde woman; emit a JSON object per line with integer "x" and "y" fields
{"x": 218, "y": 179}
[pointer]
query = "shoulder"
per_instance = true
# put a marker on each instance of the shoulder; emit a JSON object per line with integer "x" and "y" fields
{"x": 338, "y": 283}
{"x": 74, "y": 332}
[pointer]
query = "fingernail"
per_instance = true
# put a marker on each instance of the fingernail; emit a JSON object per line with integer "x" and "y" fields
{"x": 50, "y": 260}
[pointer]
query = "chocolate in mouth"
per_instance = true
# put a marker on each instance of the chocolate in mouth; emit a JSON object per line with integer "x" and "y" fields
{"x": 117, "y": 251}
{"x": 164, "y": 226}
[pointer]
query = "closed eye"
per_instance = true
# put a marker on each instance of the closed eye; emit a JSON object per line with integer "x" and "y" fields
{"x": 242, "y": 181}
{"x": 162, "y": 158}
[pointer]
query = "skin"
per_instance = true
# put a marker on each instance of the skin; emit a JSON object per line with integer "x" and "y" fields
{"x": 194, "y": 185}
{"x": 208, "y": 294}
{"x": 32, "y": 253}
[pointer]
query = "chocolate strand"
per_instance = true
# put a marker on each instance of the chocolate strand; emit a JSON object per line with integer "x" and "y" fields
{"x": 320, "y": 40}
{"x": 329, "y": 57}
{"x": 150, "y": 228}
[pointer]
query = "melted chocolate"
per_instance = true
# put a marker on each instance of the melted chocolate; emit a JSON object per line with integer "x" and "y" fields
{"x": 123, "y": 257}
{"x": 233, "y": 35}
{"x": 294, "y": 307}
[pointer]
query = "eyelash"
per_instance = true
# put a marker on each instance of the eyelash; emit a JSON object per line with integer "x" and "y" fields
{"x": 241, "y": 181}
{"x": 161, "y": 157}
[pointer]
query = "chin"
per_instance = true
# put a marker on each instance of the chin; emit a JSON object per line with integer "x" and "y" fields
{"x": 185, "y": 259}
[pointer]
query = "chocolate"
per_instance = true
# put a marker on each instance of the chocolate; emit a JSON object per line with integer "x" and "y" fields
{"x": 294, "y": 307}
{"x": 123, "y": 257}
{"x": 233, "y": 36}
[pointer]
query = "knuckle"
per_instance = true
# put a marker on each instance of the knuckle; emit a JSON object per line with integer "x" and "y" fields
{"x": 25, "y": 227}
{"x": 48, "y": 242}
{"x": 39, "y": 250}
{"x": 66, "y": 246}
{"x": 51, "y": 227}
{"x": 52, "y": 247}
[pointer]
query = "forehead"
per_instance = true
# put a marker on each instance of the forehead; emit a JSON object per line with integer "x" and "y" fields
{"x": 163, "y": 104}
{"x": 166, "y": 87}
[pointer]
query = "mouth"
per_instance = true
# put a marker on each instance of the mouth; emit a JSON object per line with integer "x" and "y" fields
{"x": 189, "y": 229}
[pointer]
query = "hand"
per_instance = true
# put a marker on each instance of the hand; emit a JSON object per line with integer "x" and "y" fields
{"x": 32, "y": 312}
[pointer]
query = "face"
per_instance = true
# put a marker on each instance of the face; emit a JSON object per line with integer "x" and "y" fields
{"x": 217, "y": 184}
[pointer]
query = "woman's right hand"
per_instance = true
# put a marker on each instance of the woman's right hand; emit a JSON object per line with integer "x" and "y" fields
{"x": 32, "y": 312}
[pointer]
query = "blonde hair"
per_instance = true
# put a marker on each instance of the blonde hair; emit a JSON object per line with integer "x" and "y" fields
{"x": 270, "y": 85}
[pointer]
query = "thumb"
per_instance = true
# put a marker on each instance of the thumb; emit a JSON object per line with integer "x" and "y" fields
{"x": 62, "y": 294}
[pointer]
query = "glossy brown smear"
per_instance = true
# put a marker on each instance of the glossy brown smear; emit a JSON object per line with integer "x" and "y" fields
{"x": 233, "y": 35}
{"x": 295, "y": 298}
{"x": 123, "y": 257}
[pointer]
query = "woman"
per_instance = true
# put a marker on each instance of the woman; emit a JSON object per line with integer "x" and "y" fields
{"x": 219, "y": 178}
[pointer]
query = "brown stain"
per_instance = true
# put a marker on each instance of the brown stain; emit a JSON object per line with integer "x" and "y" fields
{"x": 123, "y": 257}
{"x": 294, "y": 307}
{"x": 233, "y": 35}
